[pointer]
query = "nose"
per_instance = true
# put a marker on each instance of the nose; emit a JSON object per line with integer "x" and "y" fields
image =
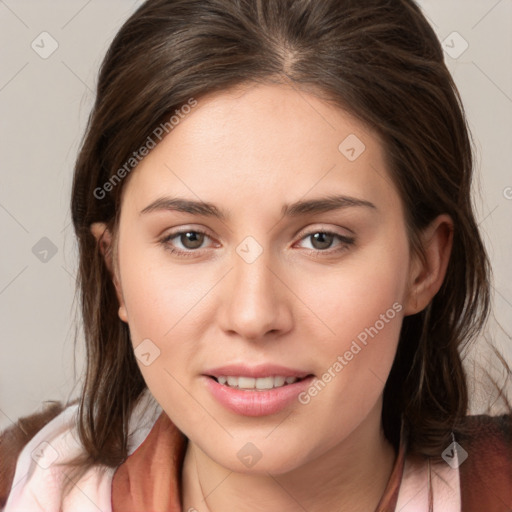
{"x": 256, "y": 302}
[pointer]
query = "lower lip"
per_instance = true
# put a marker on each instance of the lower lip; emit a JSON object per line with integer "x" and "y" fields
{"x": 257, "y": 403}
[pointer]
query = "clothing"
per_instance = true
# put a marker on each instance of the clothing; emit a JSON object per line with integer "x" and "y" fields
{"x": 150, "y": 478}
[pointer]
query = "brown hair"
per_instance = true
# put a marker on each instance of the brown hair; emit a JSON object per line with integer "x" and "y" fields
{"x": 379, "y": 60}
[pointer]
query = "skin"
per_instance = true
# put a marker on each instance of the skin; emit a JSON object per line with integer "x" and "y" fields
{"x": 249, "y": 151}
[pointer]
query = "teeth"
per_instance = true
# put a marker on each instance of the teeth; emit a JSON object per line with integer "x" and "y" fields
{"x": 279, "y": 381}
{"x": 261, "y": 383}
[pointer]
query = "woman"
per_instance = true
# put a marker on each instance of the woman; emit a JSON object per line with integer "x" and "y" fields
{"x": 279, "y": 268}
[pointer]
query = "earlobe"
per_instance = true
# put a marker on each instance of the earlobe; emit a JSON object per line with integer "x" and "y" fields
{"x": 103, "y": 237}
{"x": 427, "y": 275}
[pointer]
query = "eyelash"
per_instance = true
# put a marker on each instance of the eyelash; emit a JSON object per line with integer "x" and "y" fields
{"x": 345, "y": 242}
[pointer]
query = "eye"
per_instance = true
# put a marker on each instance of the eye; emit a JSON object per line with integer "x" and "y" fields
{"x": 190, "y": 239}
{"x": 322, "y": 241}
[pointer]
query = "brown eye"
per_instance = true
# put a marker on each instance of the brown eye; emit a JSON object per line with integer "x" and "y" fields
{"x": 322, "y": 240}
{"x": 191, "y": 239}
{"x": 327, "y": 242}
{"x": 187, "y": 242}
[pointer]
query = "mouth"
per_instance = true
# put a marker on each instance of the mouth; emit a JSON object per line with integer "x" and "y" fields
{"x": 269, "y": 390}
{"x": 256, "y": 383}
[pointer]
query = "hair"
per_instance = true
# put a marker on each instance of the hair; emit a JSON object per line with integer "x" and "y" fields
{"x": 378, "y": 60}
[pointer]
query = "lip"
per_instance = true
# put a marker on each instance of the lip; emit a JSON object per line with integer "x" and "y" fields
{"x": 257, "y": 403}
{"x": 262, "y": 370}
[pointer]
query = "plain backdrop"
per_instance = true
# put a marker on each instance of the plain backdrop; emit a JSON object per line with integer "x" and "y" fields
{"x": 50, "y": 55}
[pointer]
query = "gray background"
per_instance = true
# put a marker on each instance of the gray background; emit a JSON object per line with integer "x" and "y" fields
{"x": 44, "y": 106}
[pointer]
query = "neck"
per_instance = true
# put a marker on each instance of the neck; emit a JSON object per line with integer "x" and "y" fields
{"x": 351, "y": 476}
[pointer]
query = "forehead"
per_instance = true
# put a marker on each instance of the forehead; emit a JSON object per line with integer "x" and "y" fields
{"x": 263, "y": 143}
{"x": 259, "y": 118}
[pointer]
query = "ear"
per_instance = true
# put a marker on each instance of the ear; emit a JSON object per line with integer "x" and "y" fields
{"x": 104, "y": 239}
{"x": 426, "y": 276}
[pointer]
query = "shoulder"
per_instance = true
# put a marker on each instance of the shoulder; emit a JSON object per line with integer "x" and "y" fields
{"x": 484, "y": 444}
{"x": 488, "y": 437}
{"x": 14, "y": 438}
{"x": 41, "y": 468}
{"x": 31, "y": 457}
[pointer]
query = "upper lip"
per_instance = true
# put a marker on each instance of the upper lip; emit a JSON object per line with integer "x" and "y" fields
{"x": 262, "y": 370}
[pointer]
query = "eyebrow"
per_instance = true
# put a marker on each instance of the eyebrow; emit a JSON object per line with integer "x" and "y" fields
{"x": 303, "y": 207}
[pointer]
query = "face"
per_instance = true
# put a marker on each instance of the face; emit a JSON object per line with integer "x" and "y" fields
{"x": 264, "y": 288}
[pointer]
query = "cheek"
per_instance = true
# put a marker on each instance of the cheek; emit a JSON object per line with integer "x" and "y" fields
{"x": 158, "y": 295}
{"x": 367, "y": 288}
{"x": 355, "y": 358}
{"x": 162, "y": 303}
{"x": 360, "y": 305}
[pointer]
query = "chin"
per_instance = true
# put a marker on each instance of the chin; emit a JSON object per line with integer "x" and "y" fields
{"x": 259, "y": 458}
